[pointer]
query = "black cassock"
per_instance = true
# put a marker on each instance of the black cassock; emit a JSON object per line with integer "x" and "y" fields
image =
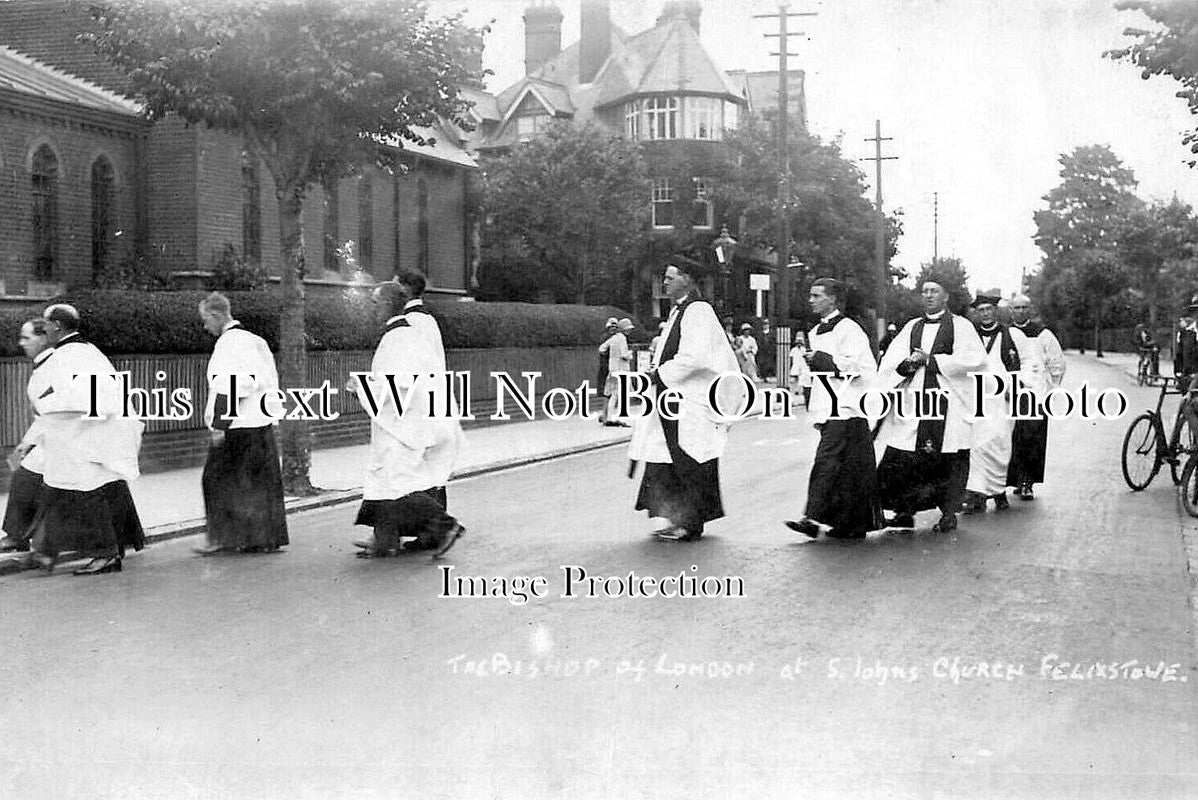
{"x": 243, "y": 490}
{"x": 684, "y": 491}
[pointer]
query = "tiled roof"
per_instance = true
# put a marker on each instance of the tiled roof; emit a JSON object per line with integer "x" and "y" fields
{"x": 27, "y": 76}
{"x": 46, "y": 29}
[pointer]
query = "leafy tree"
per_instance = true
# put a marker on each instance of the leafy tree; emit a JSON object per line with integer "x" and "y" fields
{"x": 1081, "y": 233}
{"x": 314, "y": 87}
{"x": 1158, "y": 243}
{"x": 949, "y": 273}
{"x": 567, "y": 214}
{"x": 831, "y": 219}
{"x": 1171, "y": 50}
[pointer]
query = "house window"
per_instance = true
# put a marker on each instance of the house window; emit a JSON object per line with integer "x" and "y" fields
{"x": 422, "y": 224}
{"x": 663, "y": 203}
{"x": 44, "y": 179}
{"x": 703, "y": 213}
{"x": 531, "y": 125}
{"x": 251, "y": 210}
{"x": 703, "y": 118}
{"x": 661, "y": 118}
{"x": 365, "y": 223}
{"x": 102, "y": 191}
{"x": 731, "y": 116}
{"x": 632, "y": 119}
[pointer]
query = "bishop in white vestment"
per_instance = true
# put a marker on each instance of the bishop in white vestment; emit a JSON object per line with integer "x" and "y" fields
{"x": 926, "y": 436}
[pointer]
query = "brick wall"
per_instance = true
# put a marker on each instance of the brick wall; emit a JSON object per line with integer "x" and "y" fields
{"x": 170, "y": 169}
{"x": 76, "y": 146}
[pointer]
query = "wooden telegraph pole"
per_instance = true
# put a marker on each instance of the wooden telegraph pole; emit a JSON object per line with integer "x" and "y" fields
{"x": 881, "y": 270}
{"x": 780, "y": 300}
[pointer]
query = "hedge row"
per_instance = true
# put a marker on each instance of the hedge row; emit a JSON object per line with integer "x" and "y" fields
{"x": 128, "y": 322}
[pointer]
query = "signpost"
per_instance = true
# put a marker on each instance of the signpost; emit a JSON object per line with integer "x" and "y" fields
{"x": 759, "y": 282}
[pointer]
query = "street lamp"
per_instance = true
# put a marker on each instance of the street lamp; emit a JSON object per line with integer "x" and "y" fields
{"x": 725, "y": 247}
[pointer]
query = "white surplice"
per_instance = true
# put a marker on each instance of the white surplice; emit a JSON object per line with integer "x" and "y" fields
{"x": 703, "y": 355}
{"x": 84, "y": 454}
{"x": 412, "y": 451}
{"x": 954, "y": 374}
{"x": 990, "y": 447}
{"x": 246, "y": 355}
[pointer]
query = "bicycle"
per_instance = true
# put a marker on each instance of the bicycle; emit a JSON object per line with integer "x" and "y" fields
{"x": 1148, "y": 368}
{"x": 1145, "y": 448}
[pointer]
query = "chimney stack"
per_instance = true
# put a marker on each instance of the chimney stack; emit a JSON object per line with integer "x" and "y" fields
{"x": 542, "y": 34}
{"x": 689, "y": 10}
{"x": 594, "y": 44}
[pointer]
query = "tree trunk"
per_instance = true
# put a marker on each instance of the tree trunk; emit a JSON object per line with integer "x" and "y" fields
{"x": 1098, "y": 336}
{"x": 295, "y": 435}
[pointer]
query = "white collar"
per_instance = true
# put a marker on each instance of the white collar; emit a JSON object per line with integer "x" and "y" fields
{"x": 835, "y": 313}
{"x": 934, "y": 317}
{"x": 397, "y": 316}
{"x": 413, "y": 303}
{"x": 42, "y": 356}
{"x": 231, "y": 323}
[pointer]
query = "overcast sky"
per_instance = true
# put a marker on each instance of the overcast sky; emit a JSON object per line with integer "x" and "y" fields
{"x": 981, "y": 97}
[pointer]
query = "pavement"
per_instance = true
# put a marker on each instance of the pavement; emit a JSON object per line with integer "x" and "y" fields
{"x": 170, "y": 503}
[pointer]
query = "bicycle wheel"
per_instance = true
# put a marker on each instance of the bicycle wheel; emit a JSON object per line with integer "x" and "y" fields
{"x": 1175, "y": 453}
{"x": 1141, "y": 451}
{"x": 1188, "y": 489}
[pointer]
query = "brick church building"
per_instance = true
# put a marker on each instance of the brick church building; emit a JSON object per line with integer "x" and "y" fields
{"x": 86, "y": 181}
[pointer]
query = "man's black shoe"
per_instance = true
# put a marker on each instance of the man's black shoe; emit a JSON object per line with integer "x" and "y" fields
{"x": 804, "y": 526}
{"x": 839, "y": 534}
{"x": 1000, "y": 502}
{"x": 947, "y": 523}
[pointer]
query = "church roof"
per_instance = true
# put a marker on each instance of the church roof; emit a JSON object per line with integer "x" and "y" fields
{"x": 22, "y": 74}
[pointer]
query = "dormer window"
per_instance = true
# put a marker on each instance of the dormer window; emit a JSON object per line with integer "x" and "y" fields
{"x": 530, "y": 125}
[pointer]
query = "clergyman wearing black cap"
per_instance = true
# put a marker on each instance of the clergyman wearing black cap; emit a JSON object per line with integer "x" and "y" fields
{"x": 681, "y": 482}
{"x": 990, "y": 447}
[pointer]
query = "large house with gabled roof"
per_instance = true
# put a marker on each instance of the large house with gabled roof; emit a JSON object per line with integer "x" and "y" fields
{"x": 659, "y": 87}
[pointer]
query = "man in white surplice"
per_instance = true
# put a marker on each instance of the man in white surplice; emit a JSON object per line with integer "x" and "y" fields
{"x": 990, "y": 449}
{"x": 925, "y": 463}
{"x": 681, "y": 481}
{"x": 412, "y": 453}
{"x": 88, "y": 460}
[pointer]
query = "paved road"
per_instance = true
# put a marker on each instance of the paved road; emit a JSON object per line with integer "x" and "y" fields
{"x": 849, "y": 669}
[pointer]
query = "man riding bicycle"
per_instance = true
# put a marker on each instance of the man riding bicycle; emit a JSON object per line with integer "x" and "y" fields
{"x": 1149, "y": 350}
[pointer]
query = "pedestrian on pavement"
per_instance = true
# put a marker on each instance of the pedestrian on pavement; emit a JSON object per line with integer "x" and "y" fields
{"x": 681, "y": 481}
{"x": 26, "y": 460}
{"x": 842, "y": 491}
{"x": 88, "y": 461}
{"x": 800, "y": 373}
{"x": 746, "y": 352}
{"x": 926, "y": 459}
{"x": 241, "y": 483}
{"x": 616, "y": 358}
{"x": 412, "y": 452}
{"x": 990, "y": 445}
{"x": 1043, "y": 371}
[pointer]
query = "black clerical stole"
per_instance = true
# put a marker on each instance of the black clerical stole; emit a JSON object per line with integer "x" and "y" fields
{"x": 1007, "y": 351}
{"x": 929, "y": 435}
